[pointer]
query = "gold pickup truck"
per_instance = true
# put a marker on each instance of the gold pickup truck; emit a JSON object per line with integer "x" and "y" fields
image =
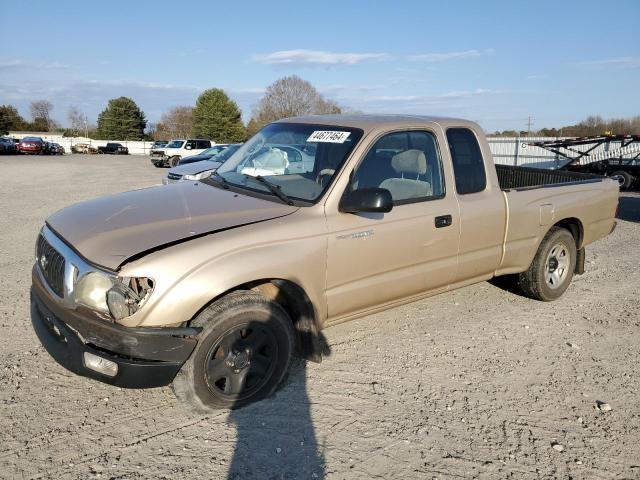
{"x": 213, "y": 285}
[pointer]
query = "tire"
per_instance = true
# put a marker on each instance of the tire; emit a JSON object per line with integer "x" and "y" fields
{"x": 624, "y": 178}
{"x": 243, "y": 353}
{"x": 173, "y": 161}
{"x": 551, "y": 270}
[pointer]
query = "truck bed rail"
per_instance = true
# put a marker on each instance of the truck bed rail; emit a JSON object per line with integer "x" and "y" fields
{"x": 510, "y": 177}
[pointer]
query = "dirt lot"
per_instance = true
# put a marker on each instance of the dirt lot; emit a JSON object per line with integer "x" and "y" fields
{"x": 477, "y": 383}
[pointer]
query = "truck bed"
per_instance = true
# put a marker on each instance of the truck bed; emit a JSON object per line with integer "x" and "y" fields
{"x": 520, "y": 178}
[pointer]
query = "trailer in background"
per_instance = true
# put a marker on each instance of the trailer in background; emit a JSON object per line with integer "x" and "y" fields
{"x": 622, "y": 162}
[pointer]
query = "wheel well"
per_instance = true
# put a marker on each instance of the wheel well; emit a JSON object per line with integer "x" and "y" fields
{"x": 310, "y": 343}
{"x": 575, "y": 227}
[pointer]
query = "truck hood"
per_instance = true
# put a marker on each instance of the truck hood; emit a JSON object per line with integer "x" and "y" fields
{"x": 109, "y": 230}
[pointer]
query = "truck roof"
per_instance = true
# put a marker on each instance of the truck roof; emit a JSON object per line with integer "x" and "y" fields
{"x": 371, "y": 121}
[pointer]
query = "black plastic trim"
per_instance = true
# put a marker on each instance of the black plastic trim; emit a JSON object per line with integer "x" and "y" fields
{"x": 67, "y": 348}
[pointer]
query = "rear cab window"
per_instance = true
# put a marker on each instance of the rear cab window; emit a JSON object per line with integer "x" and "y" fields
{"x": 468, "y": 164}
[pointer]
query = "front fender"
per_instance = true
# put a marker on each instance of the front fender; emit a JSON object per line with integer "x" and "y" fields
{"x": 228, "y": 260}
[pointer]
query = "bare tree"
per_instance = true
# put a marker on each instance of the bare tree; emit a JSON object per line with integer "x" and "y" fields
{"x": 176, "y": 123}
{"x": 78, "y": 121}
{"x": 41, "y": 113}
{"x": 289, "y": 97}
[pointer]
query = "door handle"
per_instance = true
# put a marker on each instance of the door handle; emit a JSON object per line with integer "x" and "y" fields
{"x": 443, "y": 221}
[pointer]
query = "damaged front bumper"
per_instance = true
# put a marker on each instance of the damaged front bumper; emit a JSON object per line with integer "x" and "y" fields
{"x": 159, "y": 160}
{"x": 145, "y": 357}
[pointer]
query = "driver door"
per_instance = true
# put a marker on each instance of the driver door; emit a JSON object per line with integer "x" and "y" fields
{"x": 374, "y": 258}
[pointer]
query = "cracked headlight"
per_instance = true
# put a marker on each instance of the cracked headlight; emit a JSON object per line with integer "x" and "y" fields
{"x": 199, "y": 176}
{"x": 128, "y": 295}
{"x": 119, "y": 297}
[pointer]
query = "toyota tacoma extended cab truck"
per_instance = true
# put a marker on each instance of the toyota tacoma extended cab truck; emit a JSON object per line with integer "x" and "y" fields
{"x": 213, "y": 285}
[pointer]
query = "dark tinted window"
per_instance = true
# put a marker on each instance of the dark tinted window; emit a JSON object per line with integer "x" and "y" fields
{"x": 468, "y": 165}
{"x": 405, "y": 163}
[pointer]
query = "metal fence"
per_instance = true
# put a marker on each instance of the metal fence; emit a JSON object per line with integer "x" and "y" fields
{"x": 506, "y": 150}
{"x": 135, "y": 147}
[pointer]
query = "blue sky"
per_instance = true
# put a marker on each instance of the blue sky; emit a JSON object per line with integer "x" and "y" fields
{"x": 494, "y": 62}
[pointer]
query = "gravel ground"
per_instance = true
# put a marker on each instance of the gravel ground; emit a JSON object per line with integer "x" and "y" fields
{"x": 477, "y": 383}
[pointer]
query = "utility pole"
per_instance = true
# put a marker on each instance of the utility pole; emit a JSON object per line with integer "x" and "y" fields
{"x": 529, "y": 123}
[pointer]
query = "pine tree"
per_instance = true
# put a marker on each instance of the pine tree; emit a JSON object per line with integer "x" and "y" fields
{"x": 218, "y": 118}
{"x": 122, "y": 120}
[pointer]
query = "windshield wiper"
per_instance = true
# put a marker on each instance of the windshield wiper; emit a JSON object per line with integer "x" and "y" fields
{"x": 221, "y": 180}
{"x": 275, "y": 189}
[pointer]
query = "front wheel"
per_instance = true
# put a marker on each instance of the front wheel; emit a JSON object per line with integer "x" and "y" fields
{"x": 243, "y": 353}
{"x": 551, "y": 271}
{"x": 173, "y": 161}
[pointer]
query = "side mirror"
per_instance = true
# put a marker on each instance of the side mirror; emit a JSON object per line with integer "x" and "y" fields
{"x": 188, "y": 147}
{"x": 366, "y": 200}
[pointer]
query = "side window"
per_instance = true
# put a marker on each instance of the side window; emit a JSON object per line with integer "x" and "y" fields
{"x": 468, "y": 165}
{"x": 204, "y": 144}
{"x": 407, "y": 164}
{"x": 190, "y": 143}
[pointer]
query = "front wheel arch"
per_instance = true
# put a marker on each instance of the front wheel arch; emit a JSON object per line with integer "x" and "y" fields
{"x": 295, "y": 301}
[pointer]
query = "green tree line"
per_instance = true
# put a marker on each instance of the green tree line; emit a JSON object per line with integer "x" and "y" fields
{"x": 590, "y": 126}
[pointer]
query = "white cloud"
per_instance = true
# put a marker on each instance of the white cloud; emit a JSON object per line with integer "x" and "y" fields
{"x": 441, "y": 57}
{"x": 316, "y": 57}
{"x": 620, "y": 62}
{"x": 21, "y": 64}
{"x": 143, "y": 85}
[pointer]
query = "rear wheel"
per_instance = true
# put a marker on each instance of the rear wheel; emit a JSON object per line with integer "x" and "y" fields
{"x": 243, "y": 353}
{"x": 625, "y": 179}
{"x": 551, "y": 271}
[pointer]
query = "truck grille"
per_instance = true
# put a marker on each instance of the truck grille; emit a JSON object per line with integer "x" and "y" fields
{"x": 51, "y": 264}
{"x": 174, "y": 176}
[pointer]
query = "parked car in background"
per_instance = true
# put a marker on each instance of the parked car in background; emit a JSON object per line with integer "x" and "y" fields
{"x": 198, "y": 170}
{"x": 170, "y": 155}
{"x": 8, "y": 146}
{"x": 114, "y": 149}
{"x": 80, "y": 148}
{"x": 206, "y": 155}
{"x": 35, "y": 145}
{"x": 55, "y": 149}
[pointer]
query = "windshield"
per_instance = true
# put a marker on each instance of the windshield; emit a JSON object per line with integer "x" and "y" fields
{"x": 300, "y": 160}
{"x": 214, "y": 150}
{"x": 225, "y": 154}
{"x": 175, "y": 144}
